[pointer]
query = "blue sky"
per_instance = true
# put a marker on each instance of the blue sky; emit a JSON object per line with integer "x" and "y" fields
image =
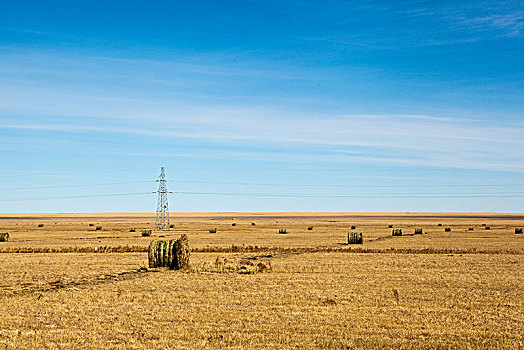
{"x": 262, "y": 105}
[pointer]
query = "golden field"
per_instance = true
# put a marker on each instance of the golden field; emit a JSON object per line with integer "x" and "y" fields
{"x": 458, "y": 289}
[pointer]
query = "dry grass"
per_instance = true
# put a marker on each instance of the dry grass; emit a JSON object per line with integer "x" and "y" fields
{"x": 248, "y": 287}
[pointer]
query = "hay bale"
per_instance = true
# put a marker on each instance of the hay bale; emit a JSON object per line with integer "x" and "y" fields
{"x": 253, "y": 224}
{"x": 213, "y": 230}
{"x": 447, "y": 229}
{"x": 418, "y": 231}
{"x": 355, "y": 238}
{"x": 439, "y": 225}
{"x": 518, "y": 230}
{"x": 4, "y": 237}
{"x": 396, "y": 232}
{"x": 180, "y": 253}
{"x": 40, "y": 225}
{"x": 234, "y": 224}
{"x": 153, "y": 249}
{"x": 173, "y": 253}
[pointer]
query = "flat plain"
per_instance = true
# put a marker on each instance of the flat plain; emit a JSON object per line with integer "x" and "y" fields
{"x": 68, "y": 285}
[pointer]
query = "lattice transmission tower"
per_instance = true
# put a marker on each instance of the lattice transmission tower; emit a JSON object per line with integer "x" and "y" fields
{"x": 162, "y": 210}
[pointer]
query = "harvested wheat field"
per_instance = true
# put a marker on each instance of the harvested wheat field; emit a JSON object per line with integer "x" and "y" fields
{"x": 66, "y": 284}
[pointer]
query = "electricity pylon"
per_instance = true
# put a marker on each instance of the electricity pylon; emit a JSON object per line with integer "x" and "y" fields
{"x": 162, "y": 210}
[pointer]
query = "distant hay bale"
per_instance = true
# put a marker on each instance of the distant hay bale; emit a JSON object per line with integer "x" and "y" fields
{"x": 213, "y": 230}
{"x": 173, "y": 253}
{"x": 234, "y": 224}
{"x": 483, "y": 225}
{"x": 447, "y": 229}
{"x": 282, "y": 231}
{"x": 396, "y": 232}
{"x": 518, "y": 230}
{"x": 145, "y": 233}
{"x": 418, "y": 231}
{"x": 310, "y": 228}
{"x": 4, "y": 237}
{"x": 40, "y": 225}
{"x": 390, "y": 226}
{"x": 253, "y": 224}
{"x": 98, "y": 228}
{"x": 487, "y": 228}
{"x": 90, "y": 225}
{"x": 353, "y": 227}
{"x": 355, "y": 238}
{"x": 132, "y": 229}
{"x": 439, "y": 225}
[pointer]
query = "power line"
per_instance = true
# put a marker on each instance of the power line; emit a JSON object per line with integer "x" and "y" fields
{"x": 288, "y": 195}
{"x": 344, "y": 186}
{"x": 76, "y": 185}
{"x": 441, "y": 195}
{"x": 264, "y": 184}
{"x": 73, "y": 197}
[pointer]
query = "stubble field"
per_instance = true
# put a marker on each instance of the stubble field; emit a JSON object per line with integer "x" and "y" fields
{"x": 86, "y": 288}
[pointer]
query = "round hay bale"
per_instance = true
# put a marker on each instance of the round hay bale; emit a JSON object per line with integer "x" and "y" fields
{"x": 152, "y": 253}
{"x": 180, "y": 253}
{"x": 170, "y": 255}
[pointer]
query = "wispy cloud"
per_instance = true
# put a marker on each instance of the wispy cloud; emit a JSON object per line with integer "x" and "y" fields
{"x": 379, "y": 139}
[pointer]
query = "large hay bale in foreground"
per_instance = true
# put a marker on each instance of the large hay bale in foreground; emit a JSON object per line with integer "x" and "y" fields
{"x": 4, "y": 237}
{"x": 172, "y": 253}
{"x": 355, "y": 238}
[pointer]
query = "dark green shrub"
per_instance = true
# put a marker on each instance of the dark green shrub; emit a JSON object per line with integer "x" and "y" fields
{"x": 310, "y": 228}
{"x": 447, "y": 229}
{"x": 396, "y": 232}
{"x": 353, "y": 227}
{"x": 132, "y": 229}
{"x": 439, "y": 225}
{"x": 487, "y": 228}
{"x": 90, "y": 225}
{"x": 234, "y": 224}
{"x": 4, "y": 237}
{"x": 98, "y": 228}
{"x": 282, "y": 231}
{"x": 470, "y": 229}
{"x": 40, "y": 225}
{"x": 146, "y": 233}
{"x": 390, "y": 226}
{"x": 518, "y": 230}
{"x": 253, "y": 224}
{"x": 418, "y": 231}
